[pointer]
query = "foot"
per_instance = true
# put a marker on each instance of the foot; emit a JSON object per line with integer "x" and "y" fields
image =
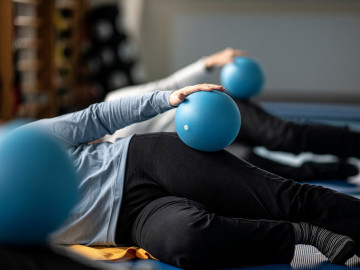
{"x": 337, "y": 248}
{"x": 341, "y": 253}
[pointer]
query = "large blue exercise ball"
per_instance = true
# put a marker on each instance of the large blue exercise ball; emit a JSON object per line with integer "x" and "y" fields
{"x": 38, "y": 186}
{"x": 208, "y": 121}
{"x": 243, "y": 78}
{"x": 13, "y": 124}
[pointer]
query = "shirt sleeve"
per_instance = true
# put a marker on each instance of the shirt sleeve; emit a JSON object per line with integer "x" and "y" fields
{"x": 192, "y": 74}
{"x": 104, "y": 118}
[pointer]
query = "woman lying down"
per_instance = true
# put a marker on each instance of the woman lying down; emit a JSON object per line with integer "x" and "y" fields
{"x": 190, "y": 208}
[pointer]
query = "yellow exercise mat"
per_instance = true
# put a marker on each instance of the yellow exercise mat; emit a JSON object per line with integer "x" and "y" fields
{"x": 115, "y": 254}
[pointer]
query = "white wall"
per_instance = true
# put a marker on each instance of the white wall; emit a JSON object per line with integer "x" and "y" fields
{"x": 310, "y": 50}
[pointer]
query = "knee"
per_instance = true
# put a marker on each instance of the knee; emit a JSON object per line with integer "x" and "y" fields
{"x": 178, "y": 242}
{"x": 186, "y": 246}
{"x": 177, "y": 231}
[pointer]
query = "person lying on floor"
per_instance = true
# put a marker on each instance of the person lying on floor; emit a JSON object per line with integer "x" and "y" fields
{"x": 190, "y": 208}
{"x": 258, "y": 127}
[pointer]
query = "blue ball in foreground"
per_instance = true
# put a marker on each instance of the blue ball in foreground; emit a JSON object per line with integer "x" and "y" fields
{"x": 242, "y": 78}
{"x": 13, "y": 124}
{"x": 208, "y": 121}
{"x": 38, "y": 186}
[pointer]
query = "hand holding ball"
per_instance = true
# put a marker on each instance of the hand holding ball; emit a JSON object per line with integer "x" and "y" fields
{"x": 208, "y": 121}
{"x": 242, "y": 78}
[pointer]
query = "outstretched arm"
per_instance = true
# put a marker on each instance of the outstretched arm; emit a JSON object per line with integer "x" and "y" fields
{"x": 192, "y": 74}
{"x": 105, "y": 118}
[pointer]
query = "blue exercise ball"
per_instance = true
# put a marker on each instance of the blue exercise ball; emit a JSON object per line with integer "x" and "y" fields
{"x": 208, "y": 121}
{"x": 38, "y": 186}
{"x": 242, "y": 78}
{"x": 13, "y": 124}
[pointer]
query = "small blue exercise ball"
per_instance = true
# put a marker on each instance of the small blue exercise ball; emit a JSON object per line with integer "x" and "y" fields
{"x": 208, "y": 121}
{"x": 38, "y": 186}
{"x": 243, "y": 78}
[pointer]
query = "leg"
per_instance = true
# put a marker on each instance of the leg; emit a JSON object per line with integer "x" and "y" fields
{"x": 307, "y": 171}
{"x": 163, "y": 165}
{"x": 196, "y": 238}
{"x": 260, "y": 128}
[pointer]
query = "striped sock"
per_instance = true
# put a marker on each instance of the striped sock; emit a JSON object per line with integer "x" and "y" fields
{"x": 337, "y": 248}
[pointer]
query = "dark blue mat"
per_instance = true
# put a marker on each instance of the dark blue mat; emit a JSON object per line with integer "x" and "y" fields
{"x": 313, "y": 111}
{"x": 306, "y": 258}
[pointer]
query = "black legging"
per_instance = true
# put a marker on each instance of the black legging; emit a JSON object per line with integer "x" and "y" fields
{"x": 307, "y": 171}
{"x": 259, "y": 128}
{"x": 197, "y": 209}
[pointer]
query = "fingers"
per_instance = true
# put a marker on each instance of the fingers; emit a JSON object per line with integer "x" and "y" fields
{"x": 205, "y": 87}
{"x": 224, "y": 57}
{"x": 232, "y": 53}
{"x": 179, "y": 96}
{"x": 240, "y": 53}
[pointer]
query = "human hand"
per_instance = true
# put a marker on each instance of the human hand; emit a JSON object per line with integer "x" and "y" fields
{"x": 179, "y": 96}
{"x": 223, "y": 57}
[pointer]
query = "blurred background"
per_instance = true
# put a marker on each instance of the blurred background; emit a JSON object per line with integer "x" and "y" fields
{"x": 58, "y": 56}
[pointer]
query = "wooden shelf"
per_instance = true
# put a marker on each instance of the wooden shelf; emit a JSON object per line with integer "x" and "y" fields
{"x": 30, "y": 52}
{"x": 27, "y": 43}
{"x": 66, "y": 24}
{"x": 28, "y": 65}
{"x": 29, "y": 2}
{"x": 68, "y": 4}
{"x": 66, "y": 42}
{"x": 27, "y": 21}
{"x": 6, "y": 71}
{"x": 30, "y": 87}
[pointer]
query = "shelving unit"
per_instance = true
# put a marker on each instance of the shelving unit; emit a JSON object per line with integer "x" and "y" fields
{"x": 6, "y": 72}
{"x": 31, "y": 56}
